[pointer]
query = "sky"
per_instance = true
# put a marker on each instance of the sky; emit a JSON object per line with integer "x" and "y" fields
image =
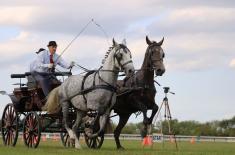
{"x": 199, "y": 47}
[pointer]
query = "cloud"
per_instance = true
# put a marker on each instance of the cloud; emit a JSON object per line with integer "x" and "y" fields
{"x": 196, "y": 38}
{"x": 195, "y": 20}
{"x": 197, "y": 34}
{"x": 189, "y": 3}
{"x": 232, "y": 63}
{"x": 86, "y": 50}
{"x": 16, "y": 15}
{"x": 70, "y": 16}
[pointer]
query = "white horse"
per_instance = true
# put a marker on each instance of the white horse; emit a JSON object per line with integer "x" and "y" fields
{"x": 96, "y": 91}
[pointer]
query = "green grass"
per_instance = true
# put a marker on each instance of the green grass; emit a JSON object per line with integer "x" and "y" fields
{"x": 132, "y": 148}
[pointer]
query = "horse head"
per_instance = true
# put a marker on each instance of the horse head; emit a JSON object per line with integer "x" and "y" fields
{"x": 156, "y": 56}
{"x": 123, "y": 58}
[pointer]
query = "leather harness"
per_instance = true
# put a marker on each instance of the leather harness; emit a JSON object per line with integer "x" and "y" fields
{"x": 105, "y": 86}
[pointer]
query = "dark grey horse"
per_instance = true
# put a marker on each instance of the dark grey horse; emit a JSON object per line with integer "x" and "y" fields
{"x": 142, "y": 98}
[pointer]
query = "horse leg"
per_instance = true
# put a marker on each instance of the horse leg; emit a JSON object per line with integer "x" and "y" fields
{"x": 65, "y": 110}
{"x": 122, "y": 122}
{"x": 103, "y": 115}
{"x": 102, "y": 122}
{"x": 141, "y": 107}
{"x": 144, "y": 110}
{"x": 154, "y": 111}
{"x": 80, "y": 115}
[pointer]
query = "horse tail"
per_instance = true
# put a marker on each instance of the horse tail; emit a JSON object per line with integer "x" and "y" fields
{"x": 52, "y": 105}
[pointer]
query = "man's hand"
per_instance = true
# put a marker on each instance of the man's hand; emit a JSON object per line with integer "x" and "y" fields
{"x": 50, "y": 65}
{"x": 72, "y": 64}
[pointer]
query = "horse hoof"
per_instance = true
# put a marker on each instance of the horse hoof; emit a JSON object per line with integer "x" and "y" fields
{"x": 77, "y": 146}
{"x": 72, "y": 142}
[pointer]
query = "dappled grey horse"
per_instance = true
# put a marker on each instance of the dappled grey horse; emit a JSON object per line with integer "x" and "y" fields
{"x": 96, "y": 91}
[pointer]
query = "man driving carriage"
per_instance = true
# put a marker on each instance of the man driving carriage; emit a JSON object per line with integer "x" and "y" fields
{"x": 43, "y": 67}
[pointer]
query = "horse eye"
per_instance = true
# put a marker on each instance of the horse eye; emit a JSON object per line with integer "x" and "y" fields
{"x": 120, "y": 55}
{"x": 163, "y": 55}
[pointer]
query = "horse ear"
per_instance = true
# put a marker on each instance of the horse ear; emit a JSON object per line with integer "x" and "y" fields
{"x": 160, "y": 43}
{"x": 114, "y": 42}
{"x": 148, "y": 41}
{"x": 124, "y": 42}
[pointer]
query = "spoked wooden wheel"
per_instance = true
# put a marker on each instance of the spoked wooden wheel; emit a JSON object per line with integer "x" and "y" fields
{"x": 9, "y": 125}
{"x": 94, "y": 143}
{"x": 32, "y": 130}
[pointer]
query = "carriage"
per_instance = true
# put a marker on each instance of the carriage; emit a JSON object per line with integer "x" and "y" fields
{"x": 28, "y": 100}
{"x": 25, "y": 115}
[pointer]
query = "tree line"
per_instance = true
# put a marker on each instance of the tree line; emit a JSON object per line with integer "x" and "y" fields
{"x": 224, "y": 127}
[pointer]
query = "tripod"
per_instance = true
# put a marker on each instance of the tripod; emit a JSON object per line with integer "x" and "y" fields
{"x": 167, "y": 113}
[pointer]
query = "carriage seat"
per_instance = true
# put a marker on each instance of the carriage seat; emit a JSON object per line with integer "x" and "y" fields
{"x": 32, "y": 83}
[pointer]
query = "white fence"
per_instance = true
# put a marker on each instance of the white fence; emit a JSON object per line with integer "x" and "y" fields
{"x": 156, "y": 137}
{"x": 178, "y": 138}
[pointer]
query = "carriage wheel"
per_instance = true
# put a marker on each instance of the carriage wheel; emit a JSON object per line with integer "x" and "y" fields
{"x": 9, "y": 125}
{"x": 66, "y": 139}
{"x": 32, "y": 130}
{"x": 94, "y": 143}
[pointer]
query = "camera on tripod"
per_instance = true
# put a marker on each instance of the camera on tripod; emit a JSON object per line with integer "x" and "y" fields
{"x": 166, "y": 89}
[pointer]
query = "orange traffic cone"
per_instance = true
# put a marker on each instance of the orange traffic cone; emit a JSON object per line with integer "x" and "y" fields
{"x": 172, "y": 139}
{"x": 55, "y": 137}
{"x": 192, "y": 141}
{"x": 44, "y": 138}
{"x": 147, "y": 141}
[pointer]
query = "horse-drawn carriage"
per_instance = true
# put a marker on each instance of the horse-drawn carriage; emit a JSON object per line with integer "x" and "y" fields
{"x": 96, "y": 90}
{"x": 27, "y": 102}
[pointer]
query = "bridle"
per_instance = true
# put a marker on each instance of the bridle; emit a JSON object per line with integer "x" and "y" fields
{"x": 150, "y": 49}
{"x": 117, "y": 50}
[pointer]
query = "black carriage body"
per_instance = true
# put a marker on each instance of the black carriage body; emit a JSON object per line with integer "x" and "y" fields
{"x": 29, "y": 97}
{"x": 27, "y": 100}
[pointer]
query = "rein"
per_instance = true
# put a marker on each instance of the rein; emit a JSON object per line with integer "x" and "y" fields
{"x": 106, "y": 86}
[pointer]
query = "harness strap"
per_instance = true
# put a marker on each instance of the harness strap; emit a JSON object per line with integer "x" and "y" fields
{"x": 83, "y": 82}
{"x": 130, "y": 61}
{"x": 97, "y": 72}
{"x": 87, "y": 90}
{"x": 109, "y": 85}
{"x": 94, "y": 87}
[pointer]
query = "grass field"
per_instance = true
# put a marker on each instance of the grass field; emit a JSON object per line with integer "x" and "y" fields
{"x": 132, "y": 148}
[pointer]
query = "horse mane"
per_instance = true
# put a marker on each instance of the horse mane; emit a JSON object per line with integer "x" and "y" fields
{"x": 109, "y": 51}
{"x": 107, "y": 54}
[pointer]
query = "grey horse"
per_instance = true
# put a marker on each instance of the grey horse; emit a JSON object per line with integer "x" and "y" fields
{"x": 95, "y": 91}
